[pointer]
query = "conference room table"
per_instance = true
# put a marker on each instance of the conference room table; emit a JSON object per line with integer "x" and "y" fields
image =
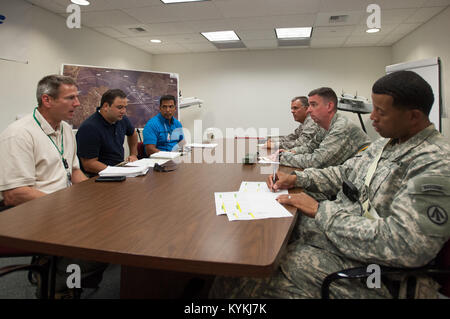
{"x": 162, "y": 228}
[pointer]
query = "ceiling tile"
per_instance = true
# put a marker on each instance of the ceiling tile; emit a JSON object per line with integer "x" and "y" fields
{"x": 287, "y": 7}
{"x": 345, "y": 5}
{"x": 239, "y": 8}
{"x": 200, "y": 47}
{"x": 396, "y": 16}
{"x": 328, "y": 42}
{"x": 51, "y": 5}
{"x": 106, "y": 18}
{"x": 436, "y": 3}
{"x": 260, "y": 44}
{"x": 328, "y": 32}
{"x": 424, "y": 14}
{"x": 399, "y": 4}
{"x": 110, "y": 32}
{"x": 405, "y": 28}
{"x": 358, "y": 40}
{"x": 208, "y": 25}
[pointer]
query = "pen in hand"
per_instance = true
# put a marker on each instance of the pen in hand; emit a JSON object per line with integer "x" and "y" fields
{"x": 274, "y": 176}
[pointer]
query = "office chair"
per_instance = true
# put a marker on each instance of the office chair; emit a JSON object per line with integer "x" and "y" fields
{"x": 439, "y": 269}
{"x": 140, "y": 146}
{"x": 33, "y": 268}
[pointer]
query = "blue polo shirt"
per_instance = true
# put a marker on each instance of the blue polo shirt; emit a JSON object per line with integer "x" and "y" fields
{"x": 98, "y": 138}
{"x": 165, "y": 136}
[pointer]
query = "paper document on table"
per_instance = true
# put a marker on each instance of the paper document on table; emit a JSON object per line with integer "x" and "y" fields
{"x": 147, "y": 162}
{"x": 162, "y": 154}
{"x": 248, "y": 206}
{"x": 198, "y": 145}
{"x": 123, "y": 171}
{"x": 260, "y": 188}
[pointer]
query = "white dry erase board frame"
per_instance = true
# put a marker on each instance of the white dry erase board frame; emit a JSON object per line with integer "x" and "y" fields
{"x": 143, "y": 89}
{"x": 430, "y": 70}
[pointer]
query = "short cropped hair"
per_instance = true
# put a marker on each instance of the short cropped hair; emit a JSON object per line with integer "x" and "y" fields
{"x": 167, "y": 97}
{"x": 110, "y": 95}
{"x": 326, "y": 93}
{"x": 50, "y": 85}
{"x": 302, "y": 99}
{"x": 408, "y": 89}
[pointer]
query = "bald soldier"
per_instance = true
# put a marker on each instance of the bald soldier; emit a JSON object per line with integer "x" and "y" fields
{"x": 342, "y": 139}
{"x": 396, "y": 215}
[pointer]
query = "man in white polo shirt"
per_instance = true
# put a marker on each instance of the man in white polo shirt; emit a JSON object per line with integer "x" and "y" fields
{"x": 38, "y": 156}
{"x": 38, "y": 152}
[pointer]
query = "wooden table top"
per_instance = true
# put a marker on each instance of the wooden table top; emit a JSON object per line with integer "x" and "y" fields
{"x": 164, "y": 220}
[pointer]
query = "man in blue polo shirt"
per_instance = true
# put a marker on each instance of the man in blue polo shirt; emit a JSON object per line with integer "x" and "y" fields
{"x": 163, "y": 132}
{"x": 100, "y": 137}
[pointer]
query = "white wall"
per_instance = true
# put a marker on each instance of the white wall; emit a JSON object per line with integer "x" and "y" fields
{"x": 253, "y": 88}
{"x": 430, "y": 40}
{"x": 53, "y": 44}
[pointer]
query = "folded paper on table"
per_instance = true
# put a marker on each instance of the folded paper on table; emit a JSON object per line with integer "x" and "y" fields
{"x": 123, "y": 171}
{"x": 162, "y": 154}
{"x": 147, "y": 162}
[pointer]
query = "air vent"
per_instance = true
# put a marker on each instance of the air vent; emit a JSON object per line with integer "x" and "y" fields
{"x": 137, "y": 30}
{"x": 229, "y": 44}
{"x": 338, "y": 19}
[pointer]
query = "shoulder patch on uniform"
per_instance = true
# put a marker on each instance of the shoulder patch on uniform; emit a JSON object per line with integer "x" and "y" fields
{"x": 430, "y": 185}
{"x": 437, "y": 215}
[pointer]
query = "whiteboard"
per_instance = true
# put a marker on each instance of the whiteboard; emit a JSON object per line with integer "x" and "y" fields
{"x": 429, "y": 69}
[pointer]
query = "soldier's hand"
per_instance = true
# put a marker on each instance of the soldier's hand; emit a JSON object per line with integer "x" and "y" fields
{"x": 282, "y": 181}
{"x": 305, "y": 203}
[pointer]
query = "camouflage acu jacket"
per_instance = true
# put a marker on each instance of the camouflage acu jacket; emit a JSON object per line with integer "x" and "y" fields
{"x": 342, "y": 141}
{"x": 410, "y": 191}
{"x": 303, "y": 134}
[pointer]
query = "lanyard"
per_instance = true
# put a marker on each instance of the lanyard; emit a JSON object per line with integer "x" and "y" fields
{"x": 60, "y": 152}
{"x": 368, "y": 210}
{"x": 168, "y": 132}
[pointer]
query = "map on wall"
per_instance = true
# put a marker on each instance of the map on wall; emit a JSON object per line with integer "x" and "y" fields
{"x": 143, "y": 89}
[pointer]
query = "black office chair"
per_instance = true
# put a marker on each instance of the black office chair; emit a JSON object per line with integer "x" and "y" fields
{"x": 41, "y": 271}
{"x": 439, "y": 269}
{"x": 140, "y": 146}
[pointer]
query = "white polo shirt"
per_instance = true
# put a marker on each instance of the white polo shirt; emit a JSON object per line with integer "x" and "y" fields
{"x": 29, "y": 158}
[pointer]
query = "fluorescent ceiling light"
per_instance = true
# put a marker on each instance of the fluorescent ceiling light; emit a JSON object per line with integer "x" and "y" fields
{"x": 375, "y": 30}
{"x": 221, "y": 36}
{"x": 288, "y": 33}
{"x": 155, "y": 41}
{"x": 178, "y": 1}
{"x": 81, "y": 2}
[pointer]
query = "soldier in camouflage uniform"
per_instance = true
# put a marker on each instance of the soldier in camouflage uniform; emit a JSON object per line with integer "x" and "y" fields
{"x": 304, "y": 132}
{"x": 405, "y": 223}
{"x": 342, "y": 139}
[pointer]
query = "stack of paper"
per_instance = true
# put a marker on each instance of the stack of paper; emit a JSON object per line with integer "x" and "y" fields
{"x": 123, "y": 171}
{"x": 147, "y": 162}
{"x": 168, "y": 155}
{"x": 253, "y": 201}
